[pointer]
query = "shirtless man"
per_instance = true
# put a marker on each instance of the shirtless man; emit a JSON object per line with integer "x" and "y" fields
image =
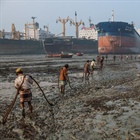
{"x": 63, "y": 78}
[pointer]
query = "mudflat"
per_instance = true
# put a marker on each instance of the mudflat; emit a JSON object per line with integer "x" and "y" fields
{"x": 106, "y": 106}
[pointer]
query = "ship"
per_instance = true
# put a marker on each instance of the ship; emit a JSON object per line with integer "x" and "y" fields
{"x": 57, "y": 45}
{"x": 69, "y": 44}
{"x": 117, "y": 37}
{"x": 73, "y": 45}
{"x": 83, "y": 42}
{"x": 34, "y": 40}
{"x": 61, "y": 55}
{"x": 79, "y": 54}
{"x": 24, "y": 43}
{"x": 20, "y": 47}
{"x": 86, "y": 42}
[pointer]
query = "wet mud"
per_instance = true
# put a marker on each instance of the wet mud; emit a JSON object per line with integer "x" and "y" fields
{"x": 105, "y": 107}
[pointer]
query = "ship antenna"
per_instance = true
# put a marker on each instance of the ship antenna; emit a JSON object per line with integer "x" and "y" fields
{"x": 75, "y": 16}
{"x": 112, "y": 15}
{"x": 89, "y": 21}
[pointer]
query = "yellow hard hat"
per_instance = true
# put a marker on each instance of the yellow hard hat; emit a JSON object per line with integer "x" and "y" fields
{"x": 18, "y": 70}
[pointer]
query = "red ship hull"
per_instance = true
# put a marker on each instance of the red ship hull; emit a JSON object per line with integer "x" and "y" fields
{"x": 115, "y": 44}
{"x": 117, "y": 38}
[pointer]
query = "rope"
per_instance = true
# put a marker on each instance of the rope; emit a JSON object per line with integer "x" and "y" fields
{"x": 41, "y": 90}
{"x": 51, "y": 109}
{"x": 5, "y": 116}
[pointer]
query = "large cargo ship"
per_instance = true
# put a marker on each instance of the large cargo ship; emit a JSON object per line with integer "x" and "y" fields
{"x": 34, "y": 40}
{"x": 73, "y": 45}
{"x": 117, "y": 38}
{"x": 23, "y": 43}
{"x": 85, "y": 41}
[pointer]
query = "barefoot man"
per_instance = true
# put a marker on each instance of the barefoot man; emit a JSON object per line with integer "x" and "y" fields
{"x": 25, "y": 90}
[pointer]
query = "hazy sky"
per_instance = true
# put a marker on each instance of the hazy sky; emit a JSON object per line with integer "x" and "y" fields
{"x": 47, "y": 12}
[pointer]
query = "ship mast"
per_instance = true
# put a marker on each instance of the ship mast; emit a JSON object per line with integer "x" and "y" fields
{"x": 34, "y": 26}
{"x": 113, "y": 15}
{"x": 89, "y": 21}
{"x": 76, "y": 24}
{"x": 63, "y": 21}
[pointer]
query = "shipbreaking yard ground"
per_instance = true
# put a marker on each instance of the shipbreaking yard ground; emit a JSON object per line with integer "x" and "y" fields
{"x": 106, "y": 106}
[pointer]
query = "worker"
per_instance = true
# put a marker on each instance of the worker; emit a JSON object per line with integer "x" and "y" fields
{"x": 102, "y": 62}
{"x": 114, "y": 57}
{"x": 25, "y": 89}
{"x": 92, "y": 66}
{"x": 127, "y": 56}
{"x": 87, "y": 70}
{"x": 63, "y": 78}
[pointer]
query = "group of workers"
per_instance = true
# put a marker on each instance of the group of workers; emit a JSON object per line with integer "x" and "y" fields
{"x": 127, "y": 57}
{"x": 24, "y": 82}
{"x": 89, "y": 67}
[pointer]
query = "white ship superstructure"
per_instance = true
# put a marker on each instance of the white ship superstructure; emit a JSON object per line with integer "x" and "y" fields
{"x": 88, "y": 32}
{"x": 34, "y": 32}
{"x": 30, "y": 31}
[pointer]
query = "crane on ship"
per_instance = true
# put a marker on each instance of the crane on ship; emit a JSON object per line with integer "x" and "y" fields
{"x": 76, "y": 24}
{"x": 63, "y": 21}
{"x": 15, "y": 34}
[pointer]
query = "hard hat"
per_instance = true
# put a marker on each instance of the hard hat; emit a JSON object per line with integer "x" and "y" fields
{"x": 18, "y": 70}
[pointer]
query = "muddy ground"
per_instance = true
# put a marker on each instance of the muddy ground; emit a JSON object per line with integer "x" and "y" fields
{"x": 105, "y": 107}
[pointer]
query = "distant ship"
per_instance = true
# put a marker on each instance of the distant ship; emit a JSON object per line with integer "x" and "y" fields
{"x": 28, "y": 42}
{"x": 117, "y": 38}
{"x": 60, "y": 55}
{"x": 79, "y": 54}
{"x": 57, "y": 45}
{"x": 34, "y": 40}
{"x": 86, "y": 43}
{"x": 20, "y": 47}
{"x": 73, "y": 45}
